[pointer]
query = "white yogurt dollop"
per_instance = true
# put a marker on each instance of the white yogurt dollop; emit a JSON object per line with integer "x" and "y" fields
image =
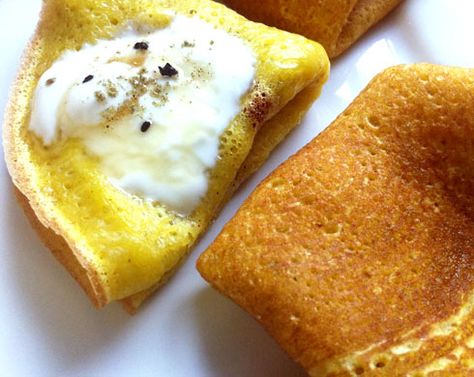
{"x": 151, "y": 106}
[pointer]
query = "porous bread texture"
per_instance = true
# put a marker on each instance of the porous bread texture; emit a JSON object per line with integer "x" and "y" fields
{"x": 336, "y": 24}
{"x": 117, "y": 246}
{"x": 357, "y": 254}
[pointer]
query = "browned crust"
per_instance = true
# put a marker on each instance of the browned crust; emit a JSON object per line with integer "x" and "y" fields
{"x": 364, "y": 15}
{"x": 62, "y": 252}
{"x": 336, "y": 24}
{"x": 365, "y": 238}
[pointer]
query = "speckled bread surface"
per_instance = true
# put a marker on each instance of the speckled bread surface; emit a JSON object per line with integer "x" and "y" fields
{"x": 357, "y": 254}
{"x": 118, "y": 247}
{"x": 336, "y": 24}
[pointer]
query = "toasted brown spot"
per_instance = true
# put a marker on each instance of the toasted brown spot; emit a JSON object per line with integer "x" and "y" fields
{"x": 258, "y": 109}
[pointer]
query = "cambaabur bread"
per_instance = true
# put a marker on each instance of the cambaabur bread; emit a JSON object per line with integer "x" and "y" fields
{"x": 117, "y": 246}
{"x": 336, "y": 24}
{"x": 357, "y": 254}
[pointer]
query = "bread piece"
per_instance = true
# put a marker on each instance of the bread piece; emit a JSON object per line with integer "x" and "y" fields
{"x": 336, "y": 24}
{"x": 116, "y": 246}
{"x": 357, "y": 254}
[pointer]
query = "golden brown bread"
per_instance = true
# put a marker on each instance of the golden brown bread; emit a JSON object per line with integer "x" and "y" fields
{"x": 357, "y": 254}
{"x": 336, "y": 24}
{"x": 118, "y": 247}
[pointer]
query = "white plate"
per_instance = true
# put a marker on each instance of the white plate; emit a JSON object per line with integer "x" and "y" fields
{"x": 47, "y": 325}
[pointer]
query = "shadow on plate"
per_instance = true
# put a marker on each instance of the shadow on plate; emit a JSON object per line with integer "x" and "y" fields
{"x": 235, "y": 344}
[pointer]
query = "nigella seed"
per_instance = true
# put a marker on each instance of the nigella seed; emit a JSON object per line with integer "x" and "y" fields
{"x": 141, "y": 46}
{"x": 145, "y": 126}
{"x": 87, "y": 78}
{"x": 168, "y": 70}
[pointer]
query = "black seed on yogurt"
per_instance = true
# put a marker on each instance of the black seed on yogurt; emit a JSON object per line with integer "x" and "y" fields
{"x": 145, "y": 126}
{"x": 87, "y": 78}
{"x": 141, "y": 46}
{"x": 168, "y": 70}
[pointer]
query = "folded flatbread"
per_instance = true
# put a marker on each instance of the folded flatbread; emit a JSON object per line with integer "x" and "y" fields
{"x": 336, "y": 24}
{"x": 115, "y": 246}
{"x": 357, "y": 254}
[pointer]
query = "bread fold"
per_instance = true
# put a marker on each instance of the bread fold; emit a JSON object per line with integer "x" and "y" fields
{"x": 118, "y": 247}
{"x": 357, "y": 254}
{"x": 336, "y": 24}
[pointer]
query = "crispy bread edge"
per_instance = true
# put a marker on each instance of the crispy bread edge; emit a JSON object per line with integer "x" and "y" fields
{"x": 28, "y": 197}
{"x": 63, "y": 253}
{"x": 364, "y": 15}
